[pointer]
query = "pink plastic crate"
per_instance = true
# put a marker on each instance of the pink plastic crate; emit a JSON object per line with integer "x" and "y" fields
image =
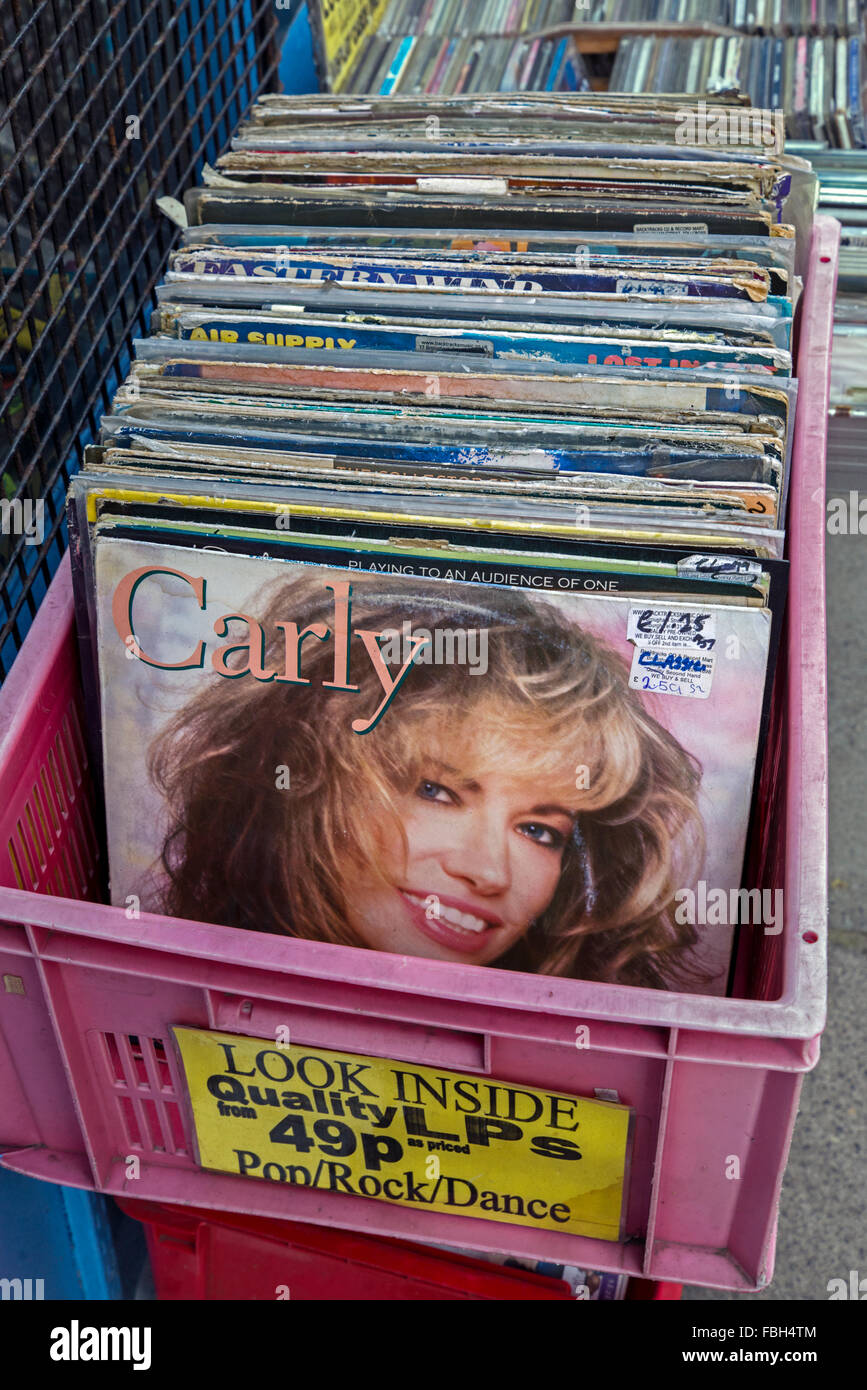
{"x": 87, "y": 997}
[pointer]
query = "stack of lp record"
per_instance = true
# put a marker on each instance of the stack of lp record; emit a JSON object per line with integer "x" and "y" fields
{"x": 429, "y": 569}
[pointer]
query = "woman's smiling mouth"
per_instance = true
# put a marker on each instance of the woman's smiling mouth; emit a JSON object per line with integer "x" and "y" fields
{"x": 449, "y": 921}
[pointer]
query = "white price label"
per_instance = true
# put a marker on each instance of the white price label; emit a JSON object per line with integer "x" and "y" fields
{"x": 687, "y": 674}
{"x": 671, "y": 629}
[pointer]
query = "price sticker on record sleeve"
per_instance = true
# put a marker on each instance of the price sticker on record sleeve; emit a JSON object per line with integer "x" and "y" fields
{"x": 673, "y": 650}
{"x": 670, "y": 628}
{"x": 672, "y": 673}
{"x": 415, "y": 1136}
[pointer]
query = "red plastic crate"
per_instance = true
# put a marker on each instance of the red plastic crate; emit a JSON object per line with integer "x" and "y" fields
{"x": 196, "y": 1255}
{"x": 88, "y": 997}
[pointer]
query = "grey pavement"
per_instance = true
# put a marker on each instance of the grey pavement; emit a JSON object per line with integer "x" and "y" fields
{"x": 822, "y": 1231}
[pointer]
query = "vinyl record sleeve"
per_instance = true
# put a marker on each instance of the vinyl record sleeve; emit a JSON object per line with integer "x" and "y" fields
{"x": 518, "y": 842}
{"x": 473, "y": 275}
{"x": 769, "y": 322}
{"x": 266, "y": 203}
{"x": 344, "y": 337}
{"x": 727, "y": 577}
{"x": 650, "y": 449}
{"x": 506, "y": 240}
{"x": 676, "y": 331}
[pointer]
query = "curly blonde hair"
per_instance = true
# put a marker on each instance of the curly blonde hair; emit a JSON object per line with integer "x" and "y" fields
{"x": 243, "y": 853}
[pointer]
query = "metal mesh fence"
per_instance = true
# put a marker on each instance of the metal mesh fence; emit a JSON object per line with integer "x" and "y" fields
{"x": 105, "y": 107}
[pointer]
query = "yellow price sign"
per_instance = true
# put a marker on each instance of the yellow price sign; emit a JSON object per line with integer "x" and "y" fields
{"x": 416, "y": 1136}
{"x": 345, "y": 24}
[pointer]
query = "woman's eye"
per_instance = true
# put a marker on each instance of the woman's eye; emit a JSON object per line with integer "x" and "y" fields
{"x": 543, "y": 834}
{"x": 435, "y": 791}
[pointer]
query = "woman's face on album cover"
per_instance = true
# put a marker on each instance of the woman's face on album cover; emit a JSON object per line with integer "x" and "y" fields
{"x": 484, "y": 850}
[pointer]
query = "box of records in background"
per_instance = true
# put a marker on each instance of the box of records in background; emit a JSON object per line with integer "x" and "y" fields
{"x": 797, "y": 56}
{"x": 444, "y": 46}
{"x": 430, "y": 570}
{"x": 805, "y": 60}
